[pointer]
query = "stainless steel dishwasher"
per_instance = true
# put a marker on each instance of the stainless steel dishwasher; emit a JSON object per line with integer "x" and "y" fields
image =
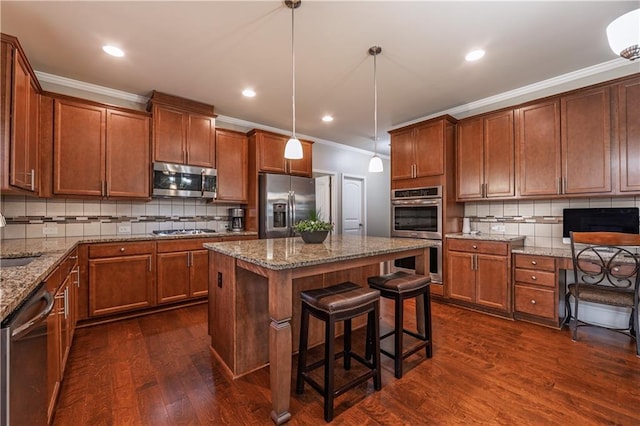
{"x": 23, "y": 354}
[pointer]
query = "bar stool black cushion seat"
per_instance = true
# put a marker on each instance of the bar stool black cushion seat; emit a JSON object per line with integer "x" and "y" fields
{"x": 399, "y": 286}
{"x": 341, "y": 302}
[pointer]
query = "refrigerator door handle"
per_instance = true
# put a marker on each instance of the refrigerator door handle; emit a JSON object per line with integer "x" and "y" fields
{"x": 293, "y": 209}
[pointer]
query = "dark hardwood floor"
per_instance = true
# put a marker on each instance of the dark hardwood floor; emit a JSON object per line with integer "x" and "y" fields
{"x": 157, "y": 370}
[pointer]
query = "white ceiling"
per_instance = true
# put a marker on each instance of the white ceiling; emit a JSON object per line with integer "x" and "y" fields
{"x": 211, "y": 50}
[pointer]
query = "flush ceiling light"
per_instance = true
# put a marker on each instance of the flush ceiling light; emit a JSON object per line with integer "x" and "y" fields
{"x": 249, "y": 93}
{"x": 624, "y": 35}
{"x": 375, "y": 164}
{"x": 474, "y": 55}
{"x": 293, "y": 148}
{"x": 327, "y": 118}
{"x": 113, "y": 51}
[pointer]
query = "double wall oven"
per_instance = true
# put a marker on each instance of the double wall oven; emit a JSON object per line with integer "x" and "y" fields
{"x": 417, "y": 213}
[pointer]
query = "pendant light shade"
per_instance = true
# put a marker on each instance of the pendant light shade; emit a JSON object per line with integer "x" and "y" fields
{"x": 293, "y": 148}
{"x": 375, "y": 164}
{"x": 624, "y": 35}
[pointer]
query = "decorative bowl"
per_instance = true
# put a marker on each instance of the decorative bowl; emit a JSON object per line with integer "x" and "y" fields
{"x": 314, "y": 237}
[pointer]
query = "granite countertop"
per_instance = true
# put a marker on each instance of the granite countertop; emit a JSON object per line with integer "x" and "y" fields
{"x": 543, "y": 251}
{"x": 17, "y": 282}
{"x": 487, "y": 237}
{"x": 287, "y": 253}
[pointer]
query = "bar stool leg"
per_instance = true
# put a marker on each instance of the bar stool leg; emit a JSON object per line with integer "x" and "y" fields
{"x": 399, "y": 324}
{"x": 347, "y": 344}
{"x": 302, "y": 349}
{"x": 373, "y": 328}
{"x": 426, "y": 297}
{"x": 329, "y": 367}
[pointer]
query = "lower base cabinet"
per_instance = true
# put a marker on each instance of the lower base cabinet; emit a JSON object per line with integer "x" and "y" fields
{"x": 121, "y": 277}
{"x": 536, "y": 297}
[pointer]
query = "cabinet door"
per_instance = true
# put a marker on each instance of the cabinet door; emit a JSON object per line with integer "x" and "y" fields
{"x": 222, "y": 311}
{"x": 120, "y": 284}
{"x": 628, "y": 131}
{"x": 199, "y": 273}
{"x": 128, "y": 163}
{"x": 499, "y": 161}
{"x": 469, "y": 159}
{"x": 201, "y": 141}
{"x": 64, "y": 306}
{"x": 492, "y": 282}
{"x": 303, "y": 166}
{"x": 34, "y": 138}
{"x": 586, "y": 142}
{"x": 538, "y": 142}
{"x": 461, "y": 278}
{"x": 169, "y": 134}
{"x": 173, "y": 276}
{"x": 271, "y": 153}
{"x": 78, "y": 148}
{"x": 21, "y": 137}
{"x": 402, "y": 155}
{"x": 53, "y": 346}
{"x": 429, "y": 149}
{"x": 232, "y": 165}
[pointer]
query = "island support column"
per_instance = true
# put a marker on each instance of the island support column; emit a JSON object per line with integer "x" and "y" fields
{"x": 280, "y": 346}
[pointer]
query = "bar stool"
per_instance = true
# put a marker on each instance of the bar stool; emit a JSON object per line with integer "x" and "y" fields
{"x": 400, "y": 286}
{"x": 341, "y": 302}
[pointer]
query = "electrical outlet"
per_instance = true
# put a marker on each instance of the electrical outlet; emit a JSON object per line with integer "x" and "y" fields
{"x": 50, "y": 230}
{"x": 124, "y": 229}
{"x": 498, "y": 228}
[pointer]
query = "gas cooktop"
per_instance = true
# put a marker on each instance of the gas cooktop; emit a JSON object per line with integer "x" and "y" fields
{"x": 183, "y": 231}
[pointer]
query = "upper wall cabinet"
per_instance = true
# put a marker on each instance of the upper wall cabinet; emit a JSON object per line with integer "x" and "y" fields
{"x": 419, "y": 150}
{"x": 585, "y": 134}
{"x": 485, "y": 157}
{"x": 269, "y": 153}
{"x": 232, "y": 155}
{"x": 627, "y": 126}
{"x": 100, "y": 151}
{"x": 183, "y": 131}
{"x": 19, "y": 109}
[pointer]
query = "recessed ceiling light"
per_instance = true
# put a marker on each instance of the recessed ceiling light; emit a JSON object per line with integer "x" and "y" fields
{"x": 474, "y": 55}
{"x": 327, "y": 118}
{"x": 113, "y": 51}
{"x": 249, "y": 93}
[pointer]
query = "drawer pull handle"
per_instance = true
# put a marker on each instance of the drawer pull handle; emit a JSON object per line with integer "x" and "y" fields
{"x": 121, "y": 249}
{"x": 533, "y": 262}
{"x": 475, "y": 246}
{"x": 533, "y": 277}
{"x": 533, "y": 301}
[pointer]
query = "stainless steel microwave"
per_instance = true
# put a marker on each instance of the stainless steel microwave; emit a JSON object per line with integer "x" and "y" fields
{"x": 178, "y": 180}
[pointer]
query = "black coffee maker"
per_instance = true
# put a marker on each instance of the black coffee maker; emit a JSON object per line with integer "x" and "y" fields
{"x": 237, "y": 219}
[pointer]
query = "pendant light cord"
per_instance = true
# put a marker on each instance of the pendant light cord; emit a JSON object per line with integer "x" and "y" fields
{"x": 293, "y": 69}
{"x": 375, "y": 105}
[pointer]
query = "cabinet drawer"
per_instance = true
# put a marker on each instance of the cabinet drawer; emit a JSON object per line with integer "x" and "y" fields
{"x": 546, "y": 279}
{"x": 475, "y": 246}
{"x": 535, "y": 301}
{"x": 539, "y": 263}
{"x": 185, "y": 244}
{"x": 121, "y": 249}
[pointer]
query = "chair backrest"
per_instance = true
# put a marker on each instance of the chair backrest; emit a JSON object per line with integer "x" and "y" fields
{"x": 606, "y": 258}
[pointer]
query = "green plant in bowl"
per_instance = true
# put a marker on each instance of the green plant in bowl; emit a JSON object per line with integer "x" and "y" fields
{"x": 313, "y": 230}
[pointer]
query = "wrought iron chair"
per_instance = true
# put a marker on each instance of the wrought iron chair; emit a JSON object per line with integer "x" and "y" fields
{"x": 606, "y": 268}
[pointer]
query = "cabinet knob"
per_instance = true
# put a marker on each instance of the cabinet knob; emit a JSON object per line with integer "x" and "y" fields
{"x": 121, "y": 249}
{"x": 475, "y": 246}
{"x": 533, "y": 277}
{"x": 533, "y": 262}
{"x": 533, "y": 301}
{"x": 616, "y": 269}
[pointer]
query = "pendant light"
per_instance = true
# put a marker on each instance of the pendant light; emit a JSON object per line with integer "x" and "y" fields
{"x": 624, "y": 35}
{"x": 293, "y": 148}
{"x": 375, "y": 164}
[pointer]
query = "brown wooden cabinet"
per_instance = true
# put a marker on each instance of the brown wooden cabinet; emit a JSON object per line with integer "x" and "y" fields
{"x": 54, "y": 338}
{"x": 538, "y": 148}
{"x": 627, "y": 130}
{"x": 232, "y": 164}
{"x": 478, "y": 274}
{"x": 183, "y": 131}
{"x": 485, "y": 157}
{"x": 121, "y": 277}
{"x": 99, "y": 151}
{"x": 183, "y": 269}
{"x": 19, "y": 109}
{"x": 269, "y": 152}
{"x": 585, "y": 118}
{"x": 419, "y": 150}
{"x": 536, "y": 297}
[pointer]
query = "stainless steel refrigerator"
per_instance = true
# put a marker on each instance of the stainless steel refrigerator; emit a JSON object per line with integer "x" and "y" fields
{"x": 284, "y": 200}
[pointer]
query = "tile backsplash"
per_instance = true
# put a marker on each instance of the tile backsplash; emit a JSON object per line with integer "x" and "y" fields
{"x": 539, "y": 220}
{"x": 37, "y": 217}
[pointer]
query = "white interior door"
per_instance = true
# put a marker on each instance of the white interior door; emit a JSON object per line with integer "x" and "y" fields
{"x": 323, "y": 197}
{"x": 353, "y": 205}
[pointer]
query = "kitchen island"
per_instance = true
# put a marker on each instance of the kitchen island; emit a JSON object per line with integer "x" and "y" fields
{"x": 254, "y": 304}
